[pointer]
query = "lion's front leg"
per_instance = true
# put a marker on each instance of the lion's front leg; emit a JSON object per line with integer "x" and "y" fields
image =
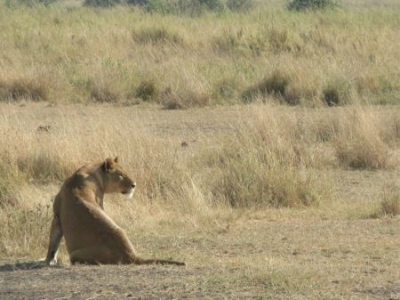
{"x": 55, "y": 239}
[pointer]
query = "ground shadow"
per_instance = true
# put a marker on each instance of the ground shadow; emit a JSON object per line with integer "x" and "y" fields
{"x": 29, "y": 265}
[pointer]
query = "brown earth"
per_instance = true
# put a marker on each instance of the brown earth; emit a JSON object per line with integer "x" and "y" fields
{"x": 253, "y": 259}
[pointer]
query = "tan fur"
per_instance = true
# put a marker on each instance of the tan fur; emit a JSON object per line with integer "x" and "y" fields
{"x": 91, "y": 236}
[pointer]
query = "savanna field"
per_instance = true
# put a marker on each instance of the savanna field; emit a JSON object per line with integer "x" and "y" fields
{"x": 265, "y": 144}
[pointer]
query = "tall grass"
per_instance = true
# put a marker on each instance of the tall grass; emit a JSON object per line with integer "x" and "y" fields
{"x": 265, "y": 165}
{"x": 360, "y": 145}
{"x": 390, "y": 204}
{"x": 83, "y": 54}
{"x": 263, "y": 158}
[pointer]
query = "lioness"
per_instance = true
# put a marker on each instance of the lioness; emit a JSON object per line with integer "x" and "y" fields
{"x": 91, "y": 236}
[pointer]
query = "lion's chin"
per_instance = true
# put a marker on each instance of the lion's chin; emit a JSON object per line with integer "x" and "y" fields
{"x": 129, "y": 195}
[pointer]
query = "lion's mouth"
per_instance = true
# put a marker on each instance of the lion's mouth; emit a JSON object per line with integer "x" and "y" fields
{"x": 129, "y": 194}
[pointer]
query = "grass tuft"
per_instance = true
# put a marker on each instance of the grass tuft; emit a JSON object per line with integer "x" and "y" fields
{"x": 9, "y": 181}
{"x": 337, "y": 92}
{"x": 390, "y": 205}
{"x": 364, "y": 153}
{"x": 184, "y": 99}
{"x": 359, "y": 143}
{"x": 274, "y": 85}
{"x": 270, "y": 171}
{"x": 147, "y": 90}
{"x": 20, "y": 89}
{"x": 27, "y": 230}
{"x": 240, "y": 5}
{"x": 44, "y": 167}
{"x": 302, "y": 5}
{"x": 156, "y": 36}
{"x": 103, "y": 94}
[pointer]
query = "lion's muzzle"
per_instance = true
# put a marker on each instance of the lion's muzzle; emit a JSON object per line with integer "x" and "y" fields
{"x": 129, "y": 194}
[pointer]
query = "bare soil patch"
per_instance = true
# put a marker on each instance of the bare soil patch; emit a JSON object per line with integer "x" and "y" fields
{"x": 254, "y": 259}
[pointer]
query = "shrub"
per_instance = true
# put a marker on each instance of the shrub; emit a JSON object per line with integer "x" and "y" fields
{"x": 196, "y": 8}
{"x": 192, "y": 8}
{"x": 299, "y": 5}
{"x": 102, "y": 3}
{"x": 213, "y": 5}
{"x": 137, "y": 2}
{"x": 240, "y": 5}
{"x": 151, "y": 5}
{"x": 29, "y": 3}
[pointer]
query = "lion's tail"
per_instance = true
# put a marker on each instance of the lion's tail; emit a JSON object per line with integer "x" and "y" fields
{"x": 141, "y": 261}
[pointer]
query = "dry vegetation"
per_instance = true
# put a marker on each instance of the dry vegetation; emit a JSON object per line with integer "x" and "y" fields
{"x": 259, "y": 184}
{"x": 260, "y": 192}
{"x": 269, "y": 54}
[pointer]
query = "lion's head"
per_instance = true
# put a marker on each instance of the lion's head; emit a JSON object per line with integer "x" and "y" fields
{"x": 115, "y": 178}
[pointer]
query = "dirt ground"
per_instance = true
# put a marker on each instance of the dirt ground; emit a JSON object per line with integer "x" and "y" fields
{"x": 111, "y": 282}
{"x": 254, "y": 259}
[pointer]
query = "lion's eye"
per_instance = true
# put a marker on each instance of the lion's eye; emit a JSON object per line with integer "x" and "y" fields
{"x": 121, "y": 177}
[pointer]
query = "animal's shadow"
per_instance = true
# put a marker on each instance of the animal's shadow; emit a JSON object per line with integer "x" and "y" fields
{"x": 26, "y": 266}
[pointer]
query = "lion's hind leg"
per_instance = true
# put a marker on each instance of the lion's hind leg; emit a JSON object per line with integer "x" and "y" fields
{"x": 95, "y": 255}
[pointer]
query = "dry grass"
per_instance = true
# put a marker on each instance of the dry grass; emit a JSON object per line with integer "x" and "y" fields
{"x": 360, "y": 143}
{"x": 23, "y": 89}
{"x": 264, "y": 164}
{"x": 390, "y": 205}
{"x": 253, "y": 180}
{"x": 241, "y": 158}
{"x": 283, "y": 201}
{"x": 339, "y": 57}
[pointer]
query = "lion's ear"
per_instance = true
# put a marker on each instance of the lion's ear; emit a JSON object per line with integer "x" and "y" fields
{"x": 116, "y": 159}
{"x": 108, "y": 164}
